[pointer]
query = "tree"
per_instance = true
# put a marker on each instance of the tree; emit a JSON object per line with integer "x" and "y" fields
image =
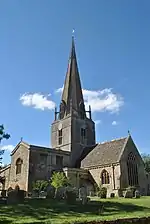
{"x": 59, "y": 180}
{"x": 40, "y": 185}
{"x": 3, "y": 135}
{"x": 146, "y": 159}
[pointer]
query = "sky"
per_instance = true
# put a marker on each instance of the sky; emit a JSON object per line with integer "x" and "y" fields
{"x": 113, "y": 49}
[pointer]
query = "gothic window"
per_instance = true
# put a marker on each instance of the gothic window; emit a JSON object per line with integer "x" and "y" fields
{"x": 83, "y": 135}
{"x": 60, "y": 136}
{"x": 62, "y": 109}
{"x": 105, "y": 179}
{"x": 18, "y": 166}
{"x": 82, "y": 110}
{"x": 59, "y": 161}
{"x": 132, "y": 170}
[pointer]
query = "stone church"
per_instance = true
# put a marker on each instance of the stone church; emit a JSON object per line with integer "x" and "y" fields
{"x": 115, "y": 164}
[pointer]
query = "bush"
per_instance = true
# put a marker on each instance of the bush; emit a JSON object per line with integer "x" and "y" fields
{"x": 103, "y": 192}
{"x": 112, "y": 195}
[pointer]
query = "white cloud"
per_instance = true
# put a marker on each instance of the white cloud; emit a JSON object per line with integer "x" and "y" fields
{"x": 114, "y": 123}
{"x": 98, "y": 122}
{"x": 7, "y": 147}
{"x": 101, "y": 100}
{"x": 59, "y": 90}
{"x": 37, "y": 100}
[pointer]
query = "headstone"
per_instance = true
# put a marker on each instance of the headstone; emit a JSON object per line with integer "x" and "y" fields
{"x": 60, "y": 193}
{"x": 137, "y": 194}
{"x": 50, "y": 192}
{"x": 42, "y": 194}
{"x": 12, "y": 197}
{"x": 83, "y": 195}
{"x": 35, "y": 194}
{"x": 128, "y": 194}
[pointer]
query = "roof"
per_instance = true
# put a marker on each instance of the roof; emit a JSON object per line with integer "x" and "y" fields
{"x": 47, "y": 149}
{"x": 37, "y": 147}
{"x": 105, "y": 153}
{"x": 5, "y": 168}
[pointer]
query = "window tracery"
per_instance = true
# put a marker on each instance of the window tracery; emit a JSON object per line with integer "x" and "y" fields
{"x": 105, "y": 178}
{"x": 132, "y": 170}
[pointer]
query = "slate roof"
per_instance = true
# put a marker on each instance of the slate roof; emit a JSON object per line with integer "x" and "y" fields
{"x": 104, "y": 153}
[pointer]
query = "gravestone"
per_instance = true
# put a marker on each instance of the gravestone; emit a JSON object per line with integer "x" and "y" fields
{"x": 83, "y": 195}
{"x": 137, "y": 194}
{"x": 128, "y": 194}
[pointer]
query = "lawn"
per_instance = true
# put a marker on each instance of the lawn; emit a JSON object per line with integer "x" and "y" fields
{"x": 46, "y": 211}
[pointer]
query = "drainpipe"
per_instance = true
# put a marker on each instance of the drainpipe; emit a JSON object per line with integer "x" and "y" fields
{"x": 113, "y": 176}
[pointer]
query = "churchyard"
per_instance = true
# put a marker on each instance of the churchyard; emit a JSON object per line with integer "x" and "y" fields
{"x": 57, "y": 212}
{"x": 58, "y": 202}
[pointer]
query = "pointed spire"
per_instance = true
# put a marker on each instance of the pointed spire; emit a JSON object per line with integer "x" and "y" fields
{"x": 72, "y": 92}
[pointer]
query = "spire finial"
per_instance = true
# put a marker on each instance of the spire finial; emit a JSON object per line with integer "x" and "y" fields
{"x": 21, "y": 139}
{"x": 73, "y": 33}
{"x": 129, "y": 132}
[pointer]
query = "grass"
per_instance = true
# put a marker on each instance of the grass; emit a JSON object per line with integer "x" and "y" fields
{"x": 46, "y": 211}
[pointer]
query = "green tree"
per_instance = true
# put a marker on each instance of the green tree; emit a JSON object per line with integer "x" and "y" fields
{"x": 146, "y": 159}
{"x": 59, "y": 180}
{"x": 3, "y": 135}
{"x": 40, "y": 185}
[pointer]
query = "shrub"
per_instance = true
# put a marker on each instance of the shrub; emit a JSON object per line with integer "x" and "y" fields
{"x": 112, "y": 195}
{"x": 103, "y": 192}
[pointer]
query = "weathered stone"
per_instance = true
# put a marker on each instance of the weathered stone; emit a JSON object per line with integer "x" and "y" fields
{"x": 137, "y": 194}
{"x": 128, "y": 194}
{"x": 83, "y": 195}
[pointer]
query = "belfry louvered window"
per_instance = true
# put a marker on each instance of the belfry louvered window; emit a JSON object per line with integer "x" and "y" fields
{"x": 60, "y": 136}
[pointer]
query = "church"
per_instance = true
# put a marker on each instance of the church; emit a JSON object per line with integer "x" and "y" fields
{"x": 115, "y": 164}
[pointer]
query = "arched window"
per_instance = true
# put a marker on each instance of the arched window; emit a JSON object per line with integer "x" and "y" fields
{"x": 18, "y": 166}
{"x": 132, "y": 170}
{"x": 105, "y": 177}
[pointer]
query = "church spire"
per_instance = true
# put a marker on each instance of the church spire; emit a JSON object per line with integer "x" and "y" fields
{"x": 72, "y": 97}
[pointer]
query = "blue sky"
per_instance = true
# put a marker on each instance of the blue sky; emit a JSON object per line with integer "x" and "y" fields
{"x": 113, "y": 50}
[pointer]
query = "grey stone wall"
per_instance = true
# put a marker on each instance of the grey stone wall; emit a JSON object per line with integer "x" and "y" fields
{"x": 130, "y": 147}
{"x": 71, "y": 131}
{"x": 5, "y": 173}
{"x": 20, "y": 179}
{"x": 114, "y": 174}
{"x": 40, "y": 170}
{"x": 66, "y": 131}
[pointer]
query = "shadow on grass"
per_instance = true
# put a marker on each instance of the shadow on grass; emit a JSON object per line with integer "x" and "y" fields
{"x": 43, "y": 209}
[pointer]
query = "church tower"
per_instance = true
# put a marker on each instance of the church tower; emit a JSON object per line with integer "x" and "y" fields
{"x": 73, "y": 128}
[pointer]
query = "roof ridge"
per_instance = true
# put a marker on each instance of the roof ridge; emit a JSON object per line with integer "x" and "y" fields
{"x": 113, "y": 140}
